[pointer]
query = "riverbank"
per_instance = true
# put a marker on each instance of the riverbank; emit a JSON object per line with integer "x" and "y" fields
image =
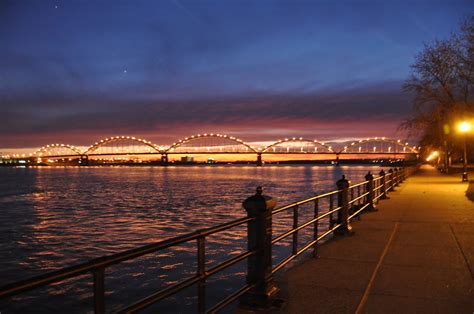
{"x": 416, "y": 254}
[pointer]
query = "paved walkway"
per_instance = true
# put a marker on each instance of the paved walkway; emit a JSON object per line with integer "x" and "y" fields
{"x": 415, "y": 255}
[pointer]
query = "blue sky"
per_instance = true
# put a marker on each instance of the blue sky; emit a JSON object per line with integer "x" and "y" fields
{"x": 74, "y": 71}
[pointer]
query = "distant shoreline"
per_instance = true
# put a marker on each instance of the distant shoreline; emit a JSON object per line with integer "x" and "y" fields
{"x": 385, "y": 163}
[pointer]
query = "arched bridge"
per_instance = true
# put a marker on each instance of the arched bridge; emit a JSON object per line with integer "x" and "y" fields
{"x": 380, "y": 145}
{"x": 121, "y": 144}
{"x": 210, "y": 144}
{"x": 298, "y": 146}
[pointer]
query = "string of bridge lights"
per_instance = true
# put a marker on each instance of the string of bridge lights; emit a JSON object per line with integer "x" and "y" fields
{"x": 160, "y": 149}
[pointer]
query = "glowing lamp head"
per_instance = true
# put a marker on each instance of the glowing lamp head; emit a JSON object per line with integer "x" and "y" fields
{"x": 464, "y": 127}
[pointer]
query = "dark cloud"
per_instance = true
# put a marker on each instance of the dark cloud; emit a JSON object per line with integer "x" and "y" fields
{"x": 74, "y": 71}
{"x": 312, "y": 113}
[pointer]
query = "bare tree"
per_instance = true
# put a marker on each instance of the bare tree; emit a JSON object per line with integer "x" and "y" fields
{"x": 442, "y": 83}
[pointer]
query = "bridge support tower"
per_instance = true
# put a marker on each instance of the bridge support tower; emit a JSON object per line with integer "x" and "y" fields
{"x": 164, "y": 159}
{"x": 259, "y": 160}
{"x": 84, "y": 160}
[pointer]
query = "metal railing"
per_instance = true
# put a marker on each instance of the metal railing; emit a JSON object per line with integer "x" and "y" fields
{"x": 347, "y": 202}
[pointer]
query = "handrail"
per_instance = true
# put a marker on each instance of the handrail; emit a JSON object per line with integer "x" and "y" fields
{"x": 359, "y": 197}
{"x": 289, "y": 206}
{"x": 109, "y": 260}
{"x": 292, "y": 231}
{"x": 309, "y": 245}
{"x": 358, "y": 184}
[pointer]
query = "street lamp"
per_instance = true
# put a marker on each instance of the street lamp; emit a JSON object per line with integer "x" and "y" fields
{"x": 464, "y": 127}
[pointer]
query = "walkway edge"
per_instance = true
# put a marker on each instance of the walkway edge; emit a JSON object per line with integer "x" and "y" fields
{"x": 365, "y": 296}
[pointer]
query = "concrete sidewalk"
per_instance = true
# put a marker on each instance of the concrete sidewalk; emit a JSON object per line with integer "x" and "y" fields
{"x": 415, "y": 255}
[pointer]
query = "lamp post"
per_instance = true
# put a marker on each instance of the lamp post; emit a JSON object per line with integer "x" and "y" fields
{"x": 464, "y": 127}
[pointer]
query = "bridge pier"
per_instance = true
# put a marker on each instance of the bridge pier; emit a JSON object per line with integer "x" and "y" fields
{"x": 259, "y": 160}
{"x": 164, "y": 159}
{"x": 84, "y": 160}
{"x": 337, "y": 160}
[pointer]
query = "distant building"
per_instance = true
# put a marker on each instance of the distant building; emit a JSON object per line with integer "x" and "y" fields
{"x": 187, "y": 159}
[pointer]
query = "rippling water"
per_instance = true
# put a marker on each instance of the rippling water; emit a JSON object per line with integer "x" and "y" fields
{"x": 55, "y": 217}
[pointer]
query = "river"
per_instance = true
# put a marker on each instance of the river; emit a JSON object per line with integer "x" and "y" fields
{"x": 55, "y": 217}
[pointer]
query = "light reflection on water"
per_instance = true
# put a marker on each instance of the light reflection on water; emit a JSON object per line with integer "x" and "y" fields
{"x": 55, "y": 217}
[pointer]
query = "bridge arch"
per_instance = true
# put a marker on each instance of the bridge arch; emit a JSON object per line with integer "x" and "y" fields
{"x": 109, "y": 140}
{"x": 225, "y": 144}
{"x": 308, "y": 146}
{"x": 358, "y": 146}
{"x": 70, "y": 150}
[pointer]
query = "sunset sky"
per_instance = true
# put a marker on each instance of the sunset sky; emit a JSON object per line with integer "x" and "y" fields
{"x": 77, "y": 71}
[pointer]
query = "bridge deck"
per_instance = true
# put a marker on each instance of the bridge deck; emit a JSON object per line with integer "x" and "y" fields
{"x": 415, "y": 255}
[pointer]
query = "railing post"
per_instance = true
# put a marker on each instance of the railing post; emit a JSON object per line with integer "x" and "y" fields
{"x": 331, "y": 207}
{"x": 392, "y": 180}
{"x": 99, "y": 291}
{"x": 359, "y": 201}
{"x": 396, "y": 175}
{"x": 201, "y": 272}
{"x": 370, "y": 190}
{"x": 259, "y": 267}
{"x": 294, "y": 250}
{"x": 384, "y": 184}
{"x": 343, "y": 202}
{"x": 316, "y": 226}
